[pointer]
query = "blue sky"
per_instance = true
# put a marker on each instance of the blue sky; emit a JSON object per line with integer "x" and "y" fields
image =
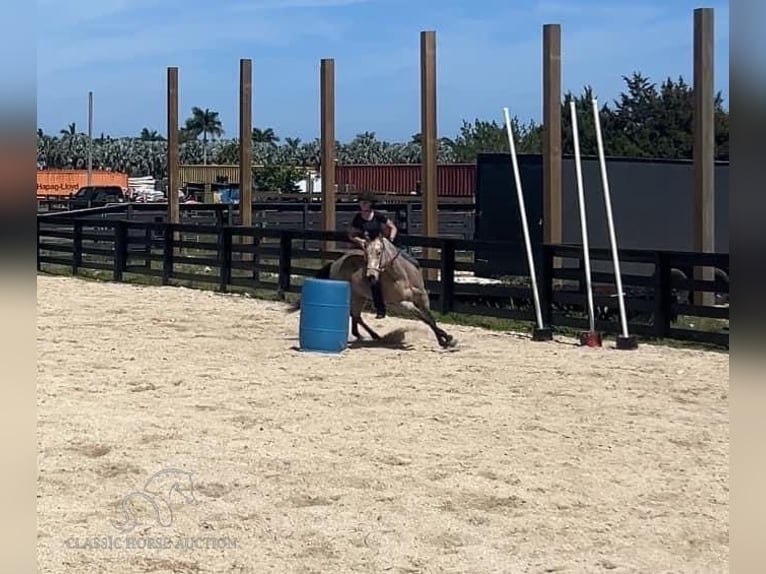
{"x": 489, "y": 55}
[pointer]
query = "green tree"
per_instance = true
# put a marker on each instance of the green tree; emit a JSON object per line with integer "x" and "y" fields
{"x": 205, "y": 123}
{"x": 267, "y": 136}
{"x": 586, "y": 126}
{"x": 483, "y": 136}
{"x": 648, "y": 121}
{"x": 150, "y": 135}
{"x": 70, "y": 130}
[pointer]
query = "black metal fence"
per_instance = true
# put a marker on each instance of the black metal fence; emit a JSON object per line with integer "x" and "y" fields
{"x": 659, "y": 303}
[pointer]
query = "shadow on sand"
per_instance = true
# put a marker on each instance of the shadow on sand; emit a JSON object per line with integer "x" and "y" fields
{"x": 391, "y": 340}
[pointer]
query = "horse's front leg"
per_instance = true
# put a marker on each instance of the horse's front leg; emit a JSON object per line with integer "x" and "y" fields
{"x": 355, "y": 328}
{"x": 357, "y": 304}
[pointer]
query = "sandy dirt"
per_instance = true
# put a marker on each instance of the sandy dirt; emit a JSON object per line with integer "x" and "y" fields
{"x": 501, "y": 456}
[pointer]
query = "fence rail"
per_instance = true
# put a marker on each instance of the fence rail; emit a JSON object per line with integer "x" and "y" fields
{"x": 62, "y": 202}
{"x": 455, "y": 219}
{"x": 229, "y": 256}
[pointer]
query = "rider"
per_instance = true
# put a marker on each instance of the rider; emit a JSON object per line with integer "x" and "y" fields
{"x": 369, "y": 223}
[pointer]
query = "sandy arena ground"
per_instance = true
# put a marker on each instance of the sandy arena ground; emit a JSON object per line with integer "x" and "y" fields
{"x": 502, "y": 456}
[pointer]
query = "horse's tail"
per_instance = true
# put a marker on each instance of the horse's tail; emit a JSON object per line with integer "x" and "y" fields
{"x": 323, "y": 273}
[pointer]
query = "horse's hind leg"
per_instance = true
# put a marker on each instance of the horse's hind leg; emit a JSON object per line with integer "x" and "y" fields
{"x": 423, "y": 313}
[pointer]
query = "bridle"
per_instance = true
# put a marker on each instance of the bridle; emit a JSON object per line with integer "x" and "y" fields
{"x": 381, "y": 266}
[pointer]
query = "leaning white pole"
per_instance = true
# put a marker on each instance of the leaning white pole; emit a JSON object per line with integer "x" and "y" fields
{"x": 583, "y": 221}
{"x": 523, "y": 213}
{"x": 610, "y": 221}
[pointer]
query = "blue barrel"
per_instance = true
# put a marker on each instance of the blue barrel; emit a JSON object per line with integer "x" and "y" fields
{"x": 325, "y": 308}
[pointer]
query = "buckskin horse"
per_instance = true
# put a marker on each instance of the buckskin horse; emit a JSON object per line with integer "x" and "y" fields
{"x": 401, "y": 282}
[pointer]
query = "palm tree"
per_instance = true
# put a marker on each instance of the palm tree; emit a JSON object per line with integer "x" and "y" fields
{"x": 206, "y": 123}
{"x": 151, "y": 135}
{"x": 267, "y": 136}
{"x": 70, "y": 130}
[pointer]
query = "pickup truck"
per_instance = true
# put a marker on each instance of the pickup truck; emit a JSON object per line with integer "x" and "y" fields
{"x": 96, "y": 196}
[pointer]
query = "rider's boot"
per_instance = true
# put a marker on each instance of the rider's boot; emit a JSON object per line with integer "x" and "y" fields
{"x": 377, "y": 299}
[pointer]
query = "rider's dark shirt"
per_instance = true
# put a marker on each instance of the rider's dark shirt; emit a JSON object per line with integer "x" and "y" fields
{"x": 374, "y": 226}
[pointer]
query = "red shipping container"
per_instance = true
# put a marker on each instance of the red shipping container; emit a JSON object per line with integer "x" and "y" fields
{"x": 453, "y": 180}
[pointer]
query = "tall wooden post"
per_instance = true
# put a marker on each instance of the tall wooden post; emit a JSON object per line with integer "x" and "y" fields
{"x": 327, "y": 129}
{"x": 703, "y": 223}
{"x": 90, "y": 138}
{"x": 246, "y": 141}
{"x": 428, "y": 139}
{"x": 245, "y": 156}
{"x": 552, "y": 216}
{"x": 173, "y": 168}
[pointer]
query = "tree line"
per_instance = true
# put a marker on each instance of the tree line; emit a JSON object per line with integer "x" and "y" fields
{"x": 646, "y": 120}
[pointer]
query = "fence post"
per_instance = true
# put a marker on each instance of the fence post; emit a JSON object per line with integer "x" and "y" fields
{"x": 546, "y": 285}
{"x": 224, "y": 255}
{"x": 447, "y": 295}
{"x": 663, "y": 295}
{"x": 285, "y": 261}
{"x": 120, "y": 249}
{"x": 167, "y": 253}
{"x": 408, "y": 219}
{"x": 76, "y": 246}
{"x": 148, "y": 240}
{"x": 38, "y": 244}
{"x": 256, "y": 259}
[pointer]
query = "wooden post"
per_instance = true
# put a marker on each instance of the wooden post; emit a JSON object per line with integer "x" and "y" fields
{"x": 428, "y": 133}
{"x": 246, "y": 142}
{"x": 173, "y": 173}
{"x": 90, "y": 138}
{"x": 327, "y": 128}
{"x": 245, "y": 153}
{"x": 552, "y": 217}
{"x": 703, "y": 223}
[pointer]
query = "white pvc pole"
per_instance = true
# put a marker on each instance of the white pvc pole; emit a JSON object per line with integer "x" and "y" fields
{"x": 523, "y": 213}
{"x": 610, "y": 221}
{"x": 583, "y": 221}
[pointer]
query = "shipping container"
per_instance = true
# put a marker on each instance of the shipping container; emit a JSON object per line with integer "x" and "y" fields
{"x": 453, "y": 180}
{"x": 62, "y": 182}
{"x": 202, "y": 174}
{"x": 210, "y": 174}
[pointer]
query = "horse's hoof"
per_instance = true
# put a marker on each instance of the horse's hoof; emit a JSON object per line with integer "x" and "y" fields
{"x": 448, "y": 342}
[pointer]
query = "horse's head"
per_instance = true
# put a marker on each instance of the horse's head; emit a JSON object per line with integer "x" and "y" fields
{"x": 374, "y": 251}
{"x": 169, "y": 480}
